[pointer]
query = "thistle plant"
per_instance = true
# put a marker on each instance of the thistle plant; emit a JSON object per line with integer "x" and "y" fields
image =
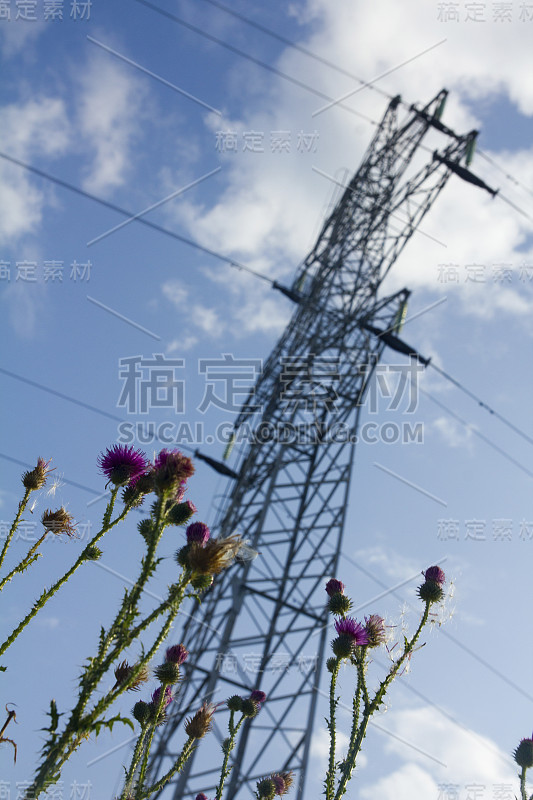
{"x": 132, "y": 479}
{"x": 523, "y": 755}
{"x": 352, "y": 645}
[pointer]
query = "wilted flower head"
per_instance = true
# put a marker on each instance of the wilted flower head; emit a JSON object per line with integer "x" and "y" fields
{"x": 434, "y": 574}
{"x": 216, "y": 555}
{"x": 523, "y": 755}
{"x": 282, "y": 781}
{"x": 334, "y": 586}
{"x": 198, "y": 725}
{"x": 123, "y": 672}
{"x": 177, "y": 654}
{"x": 59, "y": 521}
{"x": 375, "y": 630}
{"x": 122, "y": 464}
{"x": 36, "y": 478}
{"x": 198, "y": 532}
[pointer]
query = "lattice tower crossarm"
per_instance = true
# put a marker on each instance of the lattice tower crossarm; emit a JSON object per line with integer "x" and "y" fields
{"x": 290, "y": 497}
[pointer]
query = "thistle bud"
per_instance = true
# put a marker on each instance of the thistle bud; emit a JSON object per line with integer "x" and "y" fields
{"x": 339, "y": 604}
{"x": 234, "y": 703}
{"x": 250, "y": 708}
{"x": 167, "y": 673}
{"x": 141, "y": 712}
{"x": 181, "y": 513}
{"x": 201, "y": 582}
{"x": 182, "y": 556}
{"x": 523, "y": 755}
{"x": 431, "y": 592}
{"x": 145, "y": 528}
{"x": 266, "y": 789}
{"x": 92, "y": 553}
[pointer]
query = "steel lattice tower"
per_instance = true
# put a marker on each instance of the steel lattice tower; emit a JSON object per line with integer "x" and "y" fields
{"x": 291, "y": 490}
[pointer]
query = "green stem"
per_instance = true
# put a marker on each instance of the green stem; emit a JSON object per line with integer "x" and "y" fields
{"x": 22, "y": 505}
{"x": 21, "y": 566}
{"x": 78, "y": 726}
{"x": 523, "y": 792}
{"x": 46, "y": 595}
{"x": 330, "y": 775}
{"x": 178, "y": 766}
{"x": 371, "y": 707}
{"x": 149, "y": 738}
{"x": 137, "y": 752}
{"x": 225, "y": 771}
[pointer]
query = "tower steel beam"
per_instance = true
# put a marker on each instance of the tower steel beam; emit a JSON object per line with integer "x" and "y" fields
{"x": 263, "y": 623}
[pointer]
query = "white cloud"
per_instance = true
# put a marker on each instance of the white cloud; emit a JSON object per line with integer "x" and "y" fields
{"x": 453, "y": 433}
{"x": 176, "y": 292}
{"x": 28, "y": 131}
{"x": 389, "y": 562}
{"x": 425, "y": 738}
{"x": 111, "y": 106}
{"x": 271, "y": 200}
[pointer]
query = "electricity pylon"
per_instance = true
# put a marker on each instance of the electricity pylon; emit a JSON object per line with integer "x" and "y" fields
{"x": 263, "y": 625}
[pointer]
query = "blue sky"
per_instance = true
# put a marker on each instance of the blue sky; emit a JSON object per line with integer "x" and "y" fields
{"x": 78, "y": 102}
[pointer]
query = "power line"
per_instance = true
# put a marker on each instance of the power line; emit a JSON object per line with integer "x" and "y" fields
{"x": 481, "y": 403}
{"x": 326, "y": 62}
{"x": 478, "y": 433}
{"x": 252, "y": 59}
{"x": 134, "y": 217}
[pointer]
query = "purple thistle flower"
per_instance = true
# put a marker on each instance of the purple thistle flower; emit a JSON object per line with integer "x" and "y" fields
{"x": 258, "y": 697}
{"x": 350, "y": 627}
{"x": 201, "y": 796}
{"x": 334, "y": 587}
{"x": 167, "y": 698}
{"x": 434, "y": 574}
{"x": 198, "y": 532}
{"x": 177, "y": 654}
{"x": 122, "y": 464}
